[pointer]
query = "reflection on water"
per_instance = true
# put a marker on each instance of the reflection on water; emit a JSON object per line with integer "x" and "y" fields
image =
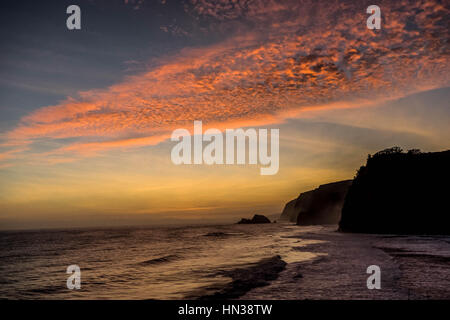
{"x": 137, "y": 263}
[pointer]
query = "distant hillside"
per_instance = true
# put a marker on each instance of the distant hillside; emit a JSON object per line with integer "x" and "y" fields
{"x": 319, "y": 206}
{"x": 398, "y": 192}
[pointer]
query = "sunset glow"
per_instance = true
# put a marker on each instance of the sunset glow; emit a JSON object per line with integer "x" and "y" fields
{"x": 94, "y": 148}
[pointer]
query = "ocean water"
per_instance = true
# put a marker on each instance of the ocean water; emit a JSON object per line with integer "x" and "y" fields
{"x": 138, "y": 263}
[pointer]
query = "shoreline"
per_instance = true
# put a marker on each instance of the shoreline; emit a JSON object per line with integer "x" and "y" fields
{"x": 412, "y": 267}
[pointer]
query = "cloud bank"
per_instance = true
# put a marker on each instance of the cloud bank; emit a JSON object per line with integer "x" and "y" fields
{"x": 277, "y": 59}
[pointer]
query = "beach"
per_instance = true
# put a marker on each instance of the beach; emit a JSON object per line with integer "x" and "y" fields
{"x": 412, "y": 267}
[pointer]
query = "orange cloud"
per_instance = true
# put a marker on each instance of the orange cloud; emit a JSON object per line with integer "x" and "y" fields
{"x": 287, "y": 56}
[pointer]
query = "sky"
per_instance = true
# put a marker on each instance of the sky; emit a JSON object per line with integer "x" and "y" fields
{"x": 86, "y": 115}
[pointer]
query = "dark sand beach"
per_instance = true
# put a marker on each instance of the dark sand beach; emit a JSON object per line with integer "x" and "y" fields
{"x": 412, "y": 267}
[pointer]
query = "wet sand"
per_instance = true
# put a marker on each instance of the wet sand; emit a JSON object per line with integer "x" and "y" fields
{"x": 412, "y": 267}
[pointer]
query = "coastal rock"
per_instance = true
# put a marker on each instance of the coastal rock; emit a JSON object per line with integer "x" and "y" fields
{"x": 399, "y": 193}
{"x": 257, "y": 218}
{"x": 319, "y": 206}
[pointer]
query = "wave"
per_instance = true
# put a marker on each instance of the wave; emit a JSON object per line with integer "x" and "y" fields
{"x": 45, "y": 290}
{"x": 163, "y": 259}
{"x": 222, "y": 234}
{"x": 216, "y": 234}
{"x": 244, "y": 279}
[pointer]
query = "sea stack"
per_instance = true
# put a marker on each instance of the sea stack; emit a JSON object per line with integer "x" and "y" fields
{"x": 257, "y": 218}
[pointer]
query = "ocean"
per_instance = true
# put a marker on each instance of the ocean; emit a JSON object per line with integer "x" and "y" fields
{"x": 143, "y": 262}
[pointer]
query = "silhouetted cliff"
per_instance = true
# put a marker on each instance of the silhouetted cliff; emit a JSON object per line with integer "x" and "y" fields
{"x": 290, "y": 211}
{"x": 397, "y": 192}
{"x": 319, "y": 206}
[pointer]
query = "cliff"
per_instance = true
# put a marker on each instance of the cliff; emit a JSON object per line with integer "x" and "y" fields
{"x": 319, "y": 206}
{"x": 397, "y": 192}
{"x": 289, "y": 213}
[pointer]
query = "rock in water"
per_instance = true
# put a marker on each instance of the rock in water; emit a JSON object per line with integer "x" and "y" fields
{"x": 257, "y": 218}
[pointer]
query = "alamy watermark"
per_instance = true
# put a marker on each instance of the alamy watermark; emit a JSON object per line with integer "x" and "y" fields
{"x": 374, "y": 20}
{"x": 73, "y": 21}
{"x": 218, "y": 152}
{"x": 374, "y": 280}
{"x": 74, "y": 280}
